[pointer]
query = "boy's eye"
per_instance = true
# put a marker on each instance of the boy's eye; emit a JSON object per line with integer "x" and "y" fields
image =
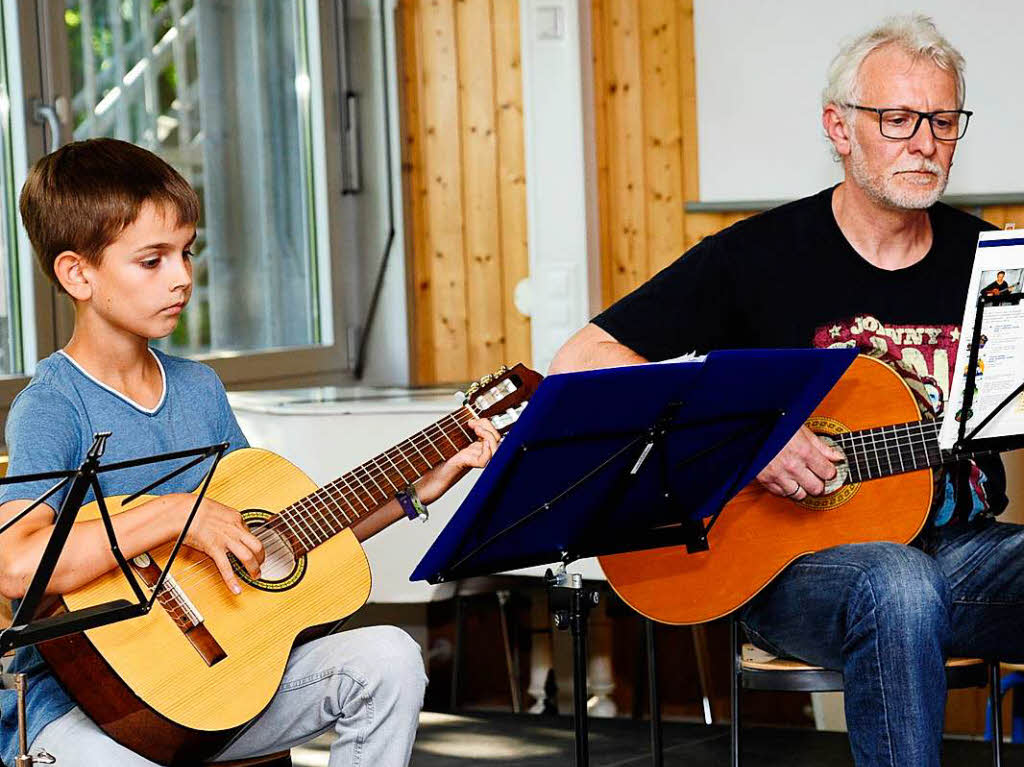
{"x": 150, "y": 263}
{"x": 187, "y": 253}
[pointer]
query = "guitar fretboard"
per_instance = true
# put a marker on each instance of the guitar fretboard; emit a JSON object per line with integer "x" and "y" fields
{"x": 894, "y": 449}
{"x": 327, "y": 511}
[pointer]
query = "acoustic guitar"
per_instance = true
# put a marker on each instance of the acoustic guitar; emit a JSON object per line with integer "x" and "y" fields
{"x": 175, "y": 684}
{"x": 882, "y": 492}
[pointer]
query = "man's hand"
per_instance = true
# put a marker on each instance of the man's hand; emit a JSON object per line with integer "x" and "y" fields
{"x": 801, "y": 468}
{"x": 436, "y": 482}
{"x": 218, "y": 530}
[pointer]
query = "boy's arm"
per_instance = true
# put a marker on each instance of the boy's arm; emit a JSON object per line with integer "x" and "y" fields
{"x": 216, "y": 531}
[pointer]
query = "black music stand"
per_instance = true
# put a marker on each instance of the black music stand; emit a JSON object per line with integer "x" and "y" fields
{"x": 28, "y": 630}
{"x": 621, "y": 459}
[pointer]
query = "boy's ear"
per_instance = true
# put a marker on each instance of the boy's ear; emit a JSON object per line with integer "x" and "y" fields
{"x": 69, "y": 268}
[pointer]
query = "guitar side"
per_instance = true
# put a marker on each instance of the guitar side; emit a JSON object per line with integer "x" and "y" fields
{"x": 254, "y": 630}
{"x": 758, "y": 534}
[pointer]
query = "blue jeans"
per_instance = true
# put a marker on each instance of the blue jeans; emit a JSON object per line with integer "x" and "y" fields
{"x": 887, "y": 616}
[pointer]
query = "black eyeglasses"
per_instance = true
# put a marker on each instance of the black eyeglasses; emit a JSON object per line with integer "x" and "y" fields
{"x": 946, "y": 124}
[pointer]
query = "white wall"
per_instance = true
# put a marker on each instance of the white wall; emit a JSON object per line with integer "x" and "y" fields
{"x": 761, "y": 67}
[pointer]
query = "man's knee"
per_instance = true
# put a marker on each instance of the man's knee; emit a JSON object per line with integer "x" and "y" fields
{"x": 903, "y": 585}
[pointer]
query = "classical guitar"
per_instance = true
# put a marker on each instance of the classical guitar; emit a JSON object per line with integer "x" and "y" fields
{"x": 881, "y": 492}
{"x": 175, "y": 684}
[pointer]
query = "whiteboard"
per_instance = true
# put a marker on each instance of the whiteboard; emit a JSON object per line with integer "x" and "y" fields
{"x": 761, "y": 66}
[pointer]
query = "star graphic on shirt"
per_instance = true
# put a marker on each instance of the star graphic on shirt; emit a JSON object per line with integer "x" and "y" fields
{"x": 955, "y": 334}
{"x": 835, "y": 330}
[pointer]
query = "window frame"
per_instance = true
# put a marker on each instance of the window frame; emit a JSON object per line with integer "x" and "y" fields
{"x": 45, "y": 73}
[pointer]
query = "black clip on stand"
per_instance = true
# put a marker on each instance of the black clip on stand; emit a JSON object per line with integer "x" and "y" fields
{"x": 570, "y": 599}
{"x": 965, "y": 444}
{"x": 27, "y": 630}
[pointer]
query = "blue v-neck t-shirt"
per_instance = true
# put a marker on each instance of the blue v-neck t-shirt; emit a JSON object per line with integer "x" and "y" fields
{"x": 51, "y": 426}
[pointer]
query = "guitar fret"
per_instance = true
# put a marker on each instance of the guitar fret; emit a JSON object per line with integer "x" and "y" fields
{"x": 311, "y": 520}
{"x": 364, "y": 487}
{"x": 462, "y": 428}
{"x": 384, "y": 474}
{"x": 406, "y": 459}
{"x": 330, "y": 496}
{"x": 878, "y": 464}
{"x": 431, "y": 443}
{"x": 426, "y": 463}
{"x": 374, "y": 481}
{"x": 405, "y": 480}
{"x": 343, "y": 495}
{"x": 352, "y": 491}
{"x": 292, "y": 523}
{"x": 327, "y": 501}
{"x": 450, "y": 440}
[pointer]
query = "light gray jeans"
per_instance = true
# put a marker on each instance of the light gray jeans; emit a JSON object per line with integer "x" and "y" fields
{"x": 366, "y": 684}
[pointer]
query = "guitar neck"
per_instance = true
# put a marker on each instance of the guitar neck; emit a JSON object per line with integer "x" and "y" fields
{"x": 895, "y": 449}
{"x": 339, "y": 504}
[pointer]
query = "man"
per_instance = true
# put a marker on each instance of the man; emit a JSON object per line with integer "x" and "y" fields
{"x": 998, "y": 287}
{"x": 896, "y": 265}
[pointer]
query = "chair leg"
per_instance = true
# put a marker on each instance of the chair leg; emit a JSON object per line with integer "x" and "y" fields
{"x": 453, "y": 700}
{"x": 657, "y": 752}
{"x": 736, "y": 687}
{"x": 996, "y": 706}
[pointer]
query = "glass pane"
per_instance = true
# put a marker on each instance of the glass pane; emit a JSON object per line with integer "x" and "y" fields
{"x": 221, "y": 90}
{"x": 10, "y": 348}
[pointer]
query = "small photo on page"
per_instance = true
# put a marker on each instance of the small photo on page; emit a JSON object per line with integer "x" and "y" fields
{"x": 1001, "y": 282}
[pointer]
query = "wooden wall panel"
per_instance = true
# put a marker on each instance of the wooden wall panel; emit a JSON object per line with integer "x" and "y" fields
{"x": 464, "y": 179}
{"x": 508, "y": 89}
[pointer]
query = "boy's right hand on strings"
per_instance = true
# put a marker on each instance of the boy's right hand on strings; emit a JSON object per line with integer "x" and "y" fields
{"x": 218, "y": 530}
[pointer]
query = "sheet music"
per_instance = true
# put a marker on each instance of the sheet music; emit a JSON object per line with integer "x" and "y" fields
{"x": 998, "y": 271}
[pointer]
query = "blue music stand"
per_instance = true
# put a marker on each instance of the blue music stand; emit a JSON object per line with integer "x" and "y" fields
{"x": 621, "y": 459}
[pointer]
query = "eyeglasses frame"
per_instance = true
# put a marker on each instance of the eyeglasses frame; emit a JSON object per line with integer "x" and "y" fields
{"x": 921, "y": 117}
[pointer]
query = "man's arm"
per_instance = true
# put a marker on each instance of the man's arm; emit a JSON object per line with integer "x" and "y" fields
{"x": 591, "y": 348}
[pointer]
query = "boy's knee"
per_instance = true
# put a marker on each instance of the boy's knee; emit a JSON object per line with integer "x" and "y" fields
{"x": 396, "y": 659}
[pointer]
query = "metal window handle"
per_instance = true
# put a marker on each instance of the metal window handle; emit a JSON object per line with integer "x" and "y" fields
{"x": 53, "y": 116}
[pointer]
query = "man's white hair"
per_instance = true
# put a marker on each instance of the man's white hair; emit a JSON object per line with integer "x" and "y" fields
{"x": 915, "y": 34}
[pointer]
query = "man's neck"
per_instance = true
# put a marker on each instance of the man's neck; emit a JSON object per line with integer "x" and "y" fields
{"x": 886, "y": 237}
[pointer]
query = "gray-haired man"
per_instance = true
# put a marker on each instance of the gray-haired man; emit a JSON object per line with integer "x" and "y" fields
{"x": 878, "y": 264}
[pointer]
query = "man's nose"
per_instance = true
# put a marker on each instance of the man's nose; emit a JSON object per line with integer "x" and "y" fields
{"x": 923, "y": 141}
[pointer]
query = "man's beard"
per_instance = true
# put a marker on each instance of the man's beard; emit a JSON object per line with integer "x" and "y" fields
{"x": 883, "y": 187}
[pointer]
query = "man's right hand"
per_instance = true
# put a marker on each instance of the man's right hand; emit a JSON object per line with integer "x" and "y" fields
{"x": 802, "y": 467}
{"x": 218, "y": 530}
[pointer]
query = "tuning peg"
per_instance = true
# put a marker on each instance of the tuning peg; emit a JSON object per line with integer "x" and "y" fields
{"x": 486, "y": 379}
{"x": 501, "y": 370}
{"x": 473, "y": 389}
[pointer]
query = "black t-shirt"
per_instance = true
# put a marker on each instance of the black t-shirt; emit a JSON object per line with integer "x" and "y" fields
{"x": 789, "y": 278}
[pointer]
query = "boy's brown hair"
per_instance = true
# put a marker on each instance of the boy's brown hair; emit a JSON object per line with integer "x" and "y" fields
{"x": 82, "y": 196}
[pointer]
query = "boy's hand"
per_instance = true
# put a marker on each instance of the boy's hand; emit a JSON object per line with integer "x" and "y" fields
{"x": 436, "y": 482}
{"x": 218, "y": 530}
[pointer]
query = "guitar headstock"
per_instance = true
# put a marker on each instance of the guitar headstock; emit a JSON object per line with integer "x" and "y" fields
{"x": 503, "y": 395}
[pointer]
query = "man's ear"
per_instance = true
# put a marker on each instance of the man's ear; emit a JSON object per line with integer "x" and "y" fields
{"x": 833, "y": 120}
{"x": 70, "y": 269}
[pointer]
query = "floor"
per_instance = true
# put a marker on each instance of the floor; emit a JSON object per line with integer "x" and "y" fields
{"x": 447, "y": 740}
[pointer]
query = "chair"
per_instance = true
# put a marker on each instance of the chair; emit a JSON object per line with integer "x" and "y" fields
{"x": 756, "y": 670}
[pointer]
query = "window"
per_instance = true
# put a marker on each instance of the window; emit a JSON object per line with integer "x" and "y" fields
{"x": 224, "y": 92}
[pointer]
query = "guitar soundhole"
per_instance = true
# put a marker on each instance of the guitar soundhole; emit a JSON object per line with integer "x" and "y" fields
{"x": 281, "y": 569}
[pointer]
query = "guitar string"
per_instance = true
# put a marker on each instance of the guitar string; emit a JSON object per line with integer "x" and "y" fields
{"x": 273, "y": 544}
{"x": 892, "y": 446}
{"x": 862, "y": 453}
{"x": 200, "y": 571}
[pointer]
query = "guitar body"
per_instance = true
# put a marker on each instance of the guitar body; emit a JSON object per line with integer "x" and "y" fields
{"x": 146, "y": 683}
{"x": 758, "y": 534}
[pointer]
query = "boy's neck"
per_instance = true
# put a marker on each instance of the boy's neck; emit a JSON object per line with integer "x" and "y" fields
{"x": 120, "y": 360}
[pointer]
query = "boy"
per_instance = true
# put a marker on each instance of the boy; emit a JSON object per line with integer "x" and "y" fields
{"x": 112, "y": 225}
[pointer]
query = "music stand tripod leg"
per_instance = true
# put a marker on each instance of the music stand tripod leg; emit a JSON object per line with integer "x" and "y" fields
{"x": 570, "y": 603}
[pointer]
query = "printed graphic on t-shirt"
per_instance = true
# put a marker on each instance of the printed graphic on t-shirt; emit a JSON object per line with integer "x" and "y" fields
{"x": 924, "y": 355}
